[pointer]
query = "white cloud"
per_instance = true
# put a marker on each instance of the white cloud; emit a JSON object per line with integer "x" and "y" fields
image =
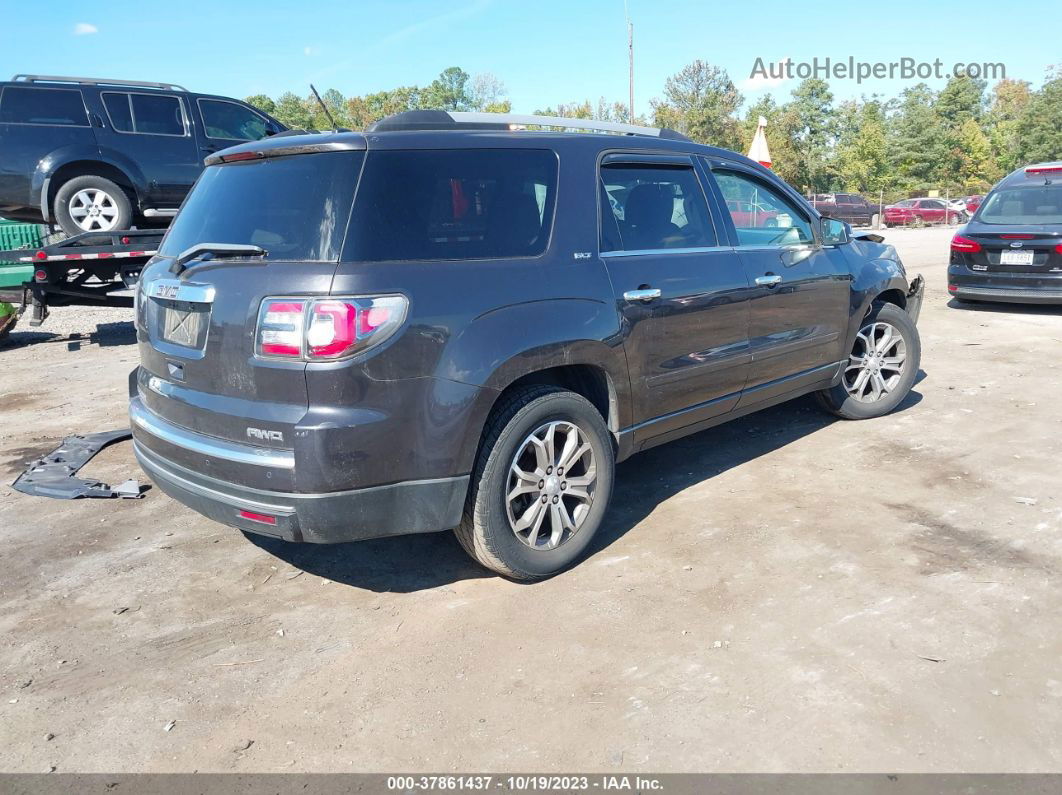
{"x": 760, "y": 82}
{"x": 85, "y": 29}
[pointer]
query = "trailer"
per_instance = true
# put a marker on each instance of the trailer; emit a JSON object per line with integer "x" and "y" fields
{"x": 92, "y": 269}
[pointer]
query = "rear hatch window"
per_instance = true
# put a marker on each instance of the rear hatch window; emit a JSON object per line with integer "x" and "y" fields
{"x": 455, "y": 204}
{"x": 295, "y": 207}
{"x": 1040, "y": 205}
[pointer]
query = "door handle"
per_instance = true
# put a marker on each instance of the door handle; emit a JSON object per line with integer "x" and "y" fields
{"x": 645, "y": 295}
{"x": 770, "y": 280}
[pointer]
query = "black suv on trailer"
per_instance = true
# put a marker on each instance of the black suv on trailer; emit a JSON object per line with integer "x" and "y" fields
{"x": 96, "y": 155}
{"x": 1011, "y": 250}
{"x": 442, "y": 323}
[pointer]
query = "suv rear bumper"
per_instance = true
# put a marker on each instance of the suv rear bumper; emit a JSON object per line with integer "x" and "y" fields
{"x": 415, "y": 506}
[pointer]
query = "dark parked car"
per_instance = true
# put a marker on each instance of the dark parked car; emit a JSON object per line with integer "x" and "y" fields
{"x": 442, "y": 323}
{"x": 1011, "y": 250}
{"x": 848, "y": 207}
{"x": 95, "y": 155}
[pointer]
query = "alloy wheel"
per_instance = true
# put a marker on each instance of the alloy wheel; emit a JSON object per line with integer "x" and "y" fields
{"x": 876, "y": 364}
{"x": 93, "y": 210}
{"x": 551, "y": 485}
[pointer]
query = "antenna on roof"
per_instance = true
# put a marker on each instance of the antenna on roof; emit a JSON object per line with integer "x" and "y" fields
{"x": 324, "y": 107}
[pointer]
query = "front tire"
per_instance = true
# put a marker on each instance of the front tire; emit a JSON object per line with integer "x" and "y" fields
{"x": 881, "y": 368}
{"x": 541, "y": 486}
{"x": 92, "y": 204}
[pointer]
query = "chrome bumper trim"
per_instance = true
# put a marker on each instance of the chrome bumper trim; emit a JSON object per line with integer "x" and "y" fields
{"x": 151, "y": 423}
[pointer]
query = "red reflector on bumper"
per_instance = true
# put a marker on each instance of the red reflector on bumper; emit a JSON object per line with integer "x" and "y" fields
{"x": 257, "y": 517}
{"x": 952, "y": 288}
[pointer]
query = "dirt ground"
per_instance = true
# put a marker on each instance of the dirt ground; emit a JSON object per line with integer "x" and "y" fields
{"x": 783, "y": 593}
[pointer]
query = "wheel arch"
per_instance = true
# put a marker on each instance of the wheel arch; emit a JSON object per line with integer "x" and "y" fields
{"x": 63, "y": 165}
{"x": 880, "y": 281}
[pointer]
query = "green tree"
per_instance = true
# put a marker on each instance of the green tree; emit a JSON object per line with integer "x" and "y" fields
{"x": 701, "y": 101}
{"x": 263, "y": 103}
{"x": 977, "y": 170}
{"x": 363, "y": 111}
{"x": 1009, "y": 100}
{"x": 862, "y": 151}
{"x": 1038, "y": 128}
{"x": 917, "y": 148}
{"x": 449, "y": 91}
{"x": 962, "y": 98}
{"x": 292, "y": 111}
{"x": 337, "y": 107}
{"x": 815, "y": 129}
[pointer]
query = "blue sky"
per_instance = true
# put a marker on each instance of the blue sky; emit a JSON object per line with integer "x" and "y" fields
{"x": 544, "y": 51}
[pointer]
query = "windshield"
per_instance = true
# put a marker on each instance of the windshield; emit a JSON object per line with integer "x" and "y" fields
{"x": 1039, "y": 205}
{"x": 295, "y": 207}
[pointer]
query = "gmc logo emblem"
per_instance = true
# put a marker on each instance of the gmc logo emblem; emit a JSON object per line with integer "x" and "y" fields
{"x": 265, "y": 436}
{"x": 166, "y": 290}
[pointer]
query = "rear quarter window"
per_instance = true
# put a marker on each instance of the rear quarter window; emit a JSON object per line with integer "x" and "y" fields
{"x": 53, "y": 106}
{"x": 454, "y": 204}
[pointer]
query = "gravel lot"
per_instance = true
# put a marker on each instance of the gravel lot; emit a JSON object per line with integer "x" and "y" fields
{"x": 783, "y": 593}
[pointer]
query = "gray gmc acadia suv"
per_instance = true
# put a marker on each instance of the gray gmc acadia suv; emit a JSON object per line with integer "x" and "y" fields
{"x": 448, "y": 323}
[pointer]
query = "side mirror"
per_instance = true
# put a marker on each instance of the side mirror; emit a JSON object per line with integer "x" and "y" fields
{"x": 271, "y": 129}
{"x": 835, "y": 233}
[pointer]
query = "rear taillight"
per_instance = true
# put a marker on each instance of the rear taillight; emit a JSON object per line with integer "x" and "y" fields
{"x": 960, "y": 243}
{"x": 328, "y": 328}
{"x": 1058, "y": 248}
{"x": 280, "y": 328}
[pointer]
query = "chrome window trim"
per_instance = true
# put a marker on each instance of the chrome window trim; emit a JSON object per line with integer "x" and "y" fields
{"x": 644, "y": 251}
{"x": 132, "y": 116}
{"x": 199, "y": 106}
{"x": 151, "y": 423}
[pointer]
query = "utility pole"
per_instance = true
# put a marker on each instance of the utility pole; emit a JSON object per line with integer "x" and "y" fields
{"x": 630, "y": 59}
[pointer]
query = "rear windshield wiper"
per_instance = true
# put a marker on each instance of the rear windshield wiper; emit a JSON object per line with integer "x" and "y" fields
{"x": 215, "y": 251}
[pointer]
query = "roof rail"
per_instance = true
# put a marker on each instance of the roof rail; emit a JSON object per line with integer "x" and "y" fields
{"x": 452, "y": 120}
{"x": 95, "y": 81}
{"x": 462, "y": 117}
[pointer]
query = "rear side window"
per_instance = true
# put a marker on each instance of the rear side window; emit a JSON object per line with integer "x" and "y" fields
{"x": 295, "y": 207}
{"x": 229, "y": 121}
{"x": 148, "y": 114}
{"x": 653, "y": 207}
{"x": 454, "y": 204}
{"x": 60, "y": 106}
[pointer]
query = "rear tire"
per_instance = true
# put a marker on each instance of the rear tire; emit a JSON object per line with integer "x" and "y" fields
{"x": 503, "y": 532}
{"x": 92, "y": 204}
{"x": 881, "y": 368}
